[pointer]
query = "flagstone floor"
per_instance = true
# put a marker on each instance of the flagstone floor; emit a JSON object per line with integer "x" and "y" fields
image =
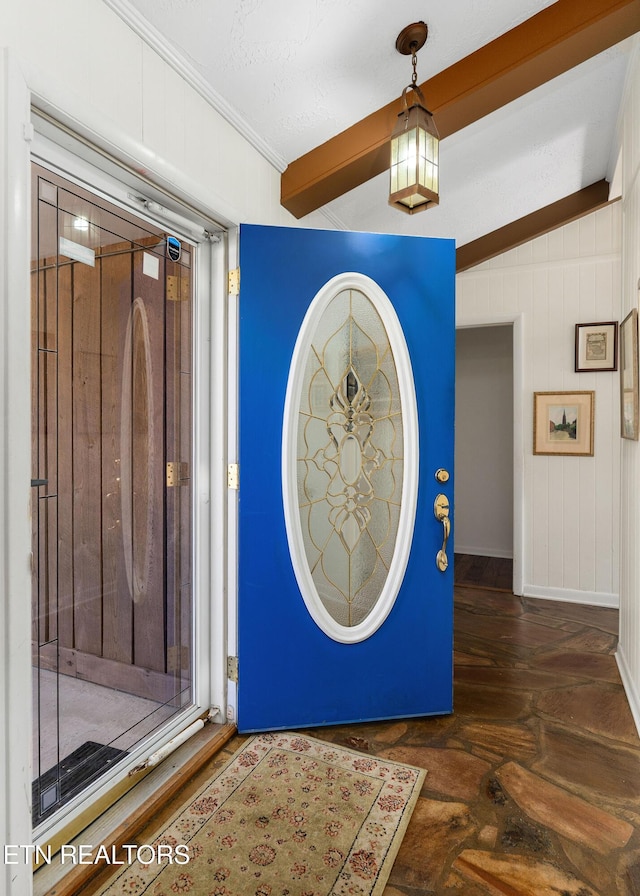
{"x": 533, "y": 784}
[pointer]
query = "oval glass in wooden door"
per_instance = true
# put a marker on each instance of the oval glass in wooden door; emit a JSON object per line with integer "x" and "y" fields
{"x": 350, "y": 457}
{"x": 138, "y": 447}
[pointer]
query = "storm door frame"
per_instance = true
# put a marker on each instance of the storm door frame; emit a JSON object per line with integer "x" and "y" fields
{"x": 59, "y": 150}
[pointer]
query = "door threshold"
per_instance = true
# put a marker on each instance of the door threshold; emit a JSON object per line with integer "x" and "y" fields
{"x": 121, "y": 822}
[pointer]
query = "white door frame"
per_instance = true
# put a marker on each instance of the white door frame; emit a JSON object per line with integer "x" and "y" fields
{"x": 15, "y": 470}
{"x": 516, "y": 319}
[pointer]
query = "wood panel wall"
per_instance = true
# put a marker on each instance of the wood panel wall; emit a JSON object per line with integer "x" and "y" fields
{"x": 571, "y": 505}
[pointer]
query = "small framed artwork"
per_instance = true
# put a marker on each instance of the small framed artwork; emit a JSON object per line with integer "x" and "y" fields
{"x": 563, "y": 423}
{"x": 597, "y": 346}
{"x": 629, "y": 376}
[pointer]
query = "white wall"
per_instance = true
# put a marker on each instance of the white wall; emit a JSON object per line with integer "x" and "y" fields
{"x": 81, "y": 59}
{"x": 570, "y": 506}
{"x": 629, "y": 647}
{"x": 484, "y": 441}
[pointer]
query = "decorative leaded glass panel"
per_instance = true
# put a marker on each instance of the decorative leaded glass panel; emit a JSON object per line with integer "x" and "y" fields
{"x": 350, "y": 448}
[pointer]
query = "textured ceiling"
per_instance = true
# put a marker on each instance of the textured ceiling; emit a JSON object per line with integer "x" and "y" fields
{"x": 300, "y": 71}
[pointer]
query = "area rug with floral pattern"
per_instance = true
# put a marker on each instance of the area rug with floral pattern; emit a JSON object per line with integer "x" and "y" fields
{"x": 288, "y": 815}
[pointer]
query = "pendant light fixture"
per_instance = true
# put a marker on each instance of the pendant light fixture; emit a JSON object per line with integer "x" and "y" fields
{"x": 414, "y": 141}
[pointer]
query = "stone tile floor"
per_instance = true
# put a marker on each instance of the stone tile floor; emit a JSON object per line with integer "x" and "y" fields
{"x": 533, "y": 784}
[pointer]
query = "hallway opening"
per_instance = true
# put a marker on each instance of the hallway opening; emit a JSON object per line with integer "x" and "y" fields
{"x": 484, "y": 483}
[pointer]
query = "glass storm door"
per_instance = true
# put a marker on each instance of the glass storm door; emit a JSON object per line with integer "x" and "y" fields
{"x": 347, "y": 347}
{"x": 111, "y": 493}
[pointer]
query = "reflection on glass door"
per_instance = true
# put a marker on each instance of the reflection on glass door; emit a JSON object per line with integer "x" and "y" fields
{"x": 111, "y": 496}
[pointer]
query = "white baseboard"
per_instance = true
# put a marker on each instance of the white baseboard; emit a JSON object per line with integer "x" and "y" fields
{"x": 484, "y": 552}
{"x": 591, "y": 598}
{"x": 629, "y": 686}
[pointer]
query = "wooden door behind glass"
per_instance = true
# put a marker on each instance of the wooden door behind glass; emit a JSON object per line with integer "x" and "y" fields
{"x": 111, "y": 425}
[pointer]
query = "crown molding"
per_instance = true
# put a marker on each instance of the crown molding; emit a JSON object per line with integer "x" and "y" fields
{"x": 159, "y": 44}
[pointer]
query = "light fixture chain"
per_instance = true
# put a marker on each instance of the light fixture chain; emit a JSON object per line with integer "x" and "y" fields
{"x": 414, "y": 63}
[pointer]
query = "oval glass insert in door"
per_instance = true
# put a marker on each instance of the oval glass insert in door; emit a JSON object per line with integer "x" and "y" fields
{"x": 350, "y": 457}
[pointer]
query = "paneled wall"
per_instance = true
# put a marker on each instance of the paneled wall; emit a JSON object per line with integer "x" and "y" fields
{"x": 107, "y": 80}
{"x": 569, "y": 505}
{"x": 629, "y": 647}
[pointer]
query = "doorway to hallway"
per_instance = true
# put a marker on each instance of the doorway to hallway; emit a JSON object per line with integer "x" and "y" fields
{"x": 484, "y": 491}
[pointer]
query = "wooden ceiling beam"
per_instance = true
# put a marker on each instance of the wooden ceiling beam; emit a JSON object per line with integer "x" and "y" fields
{"x": 548, "y": 44}
{"x": 585, "y": 201}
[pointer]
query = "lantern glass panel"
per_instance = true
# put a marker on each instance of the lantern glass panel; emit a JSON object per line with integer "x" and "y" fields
{"x": 403, "y": 154}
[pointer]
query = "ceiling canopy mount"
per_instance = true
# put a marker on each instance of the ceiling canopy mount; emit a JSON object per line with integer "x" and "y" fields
{"x": 412, "y": 38}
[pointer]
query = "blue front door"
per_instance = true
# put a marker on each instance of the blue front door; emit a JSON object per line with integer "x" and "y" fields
{"x": 347, "y": 345}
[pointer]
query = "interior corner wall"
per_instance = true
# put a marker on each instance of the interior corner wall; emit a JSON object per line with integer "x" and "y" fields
{"x": 628, "y": 654}
{"x": 570, "y": 505}
{"x": 85, "y": 65}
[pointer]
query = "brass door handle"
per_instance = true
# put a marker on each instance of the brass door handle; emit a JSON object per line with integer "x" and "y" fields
{"x": 441, "y": 512}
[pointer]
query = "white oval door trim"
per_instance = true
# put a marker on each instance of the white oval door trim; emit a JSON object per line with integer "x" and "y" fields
{"x": 350, "y": 425}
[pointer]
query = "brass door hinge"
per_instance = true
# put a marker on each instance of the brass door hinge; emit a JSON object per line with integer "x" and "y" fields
{"x": 177, "y": 288}
{"x": 177, "y": 473}
{"x": 233, "y": 476}
{"x": 234, "y": 282}
{"x": 232, "y": 668}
